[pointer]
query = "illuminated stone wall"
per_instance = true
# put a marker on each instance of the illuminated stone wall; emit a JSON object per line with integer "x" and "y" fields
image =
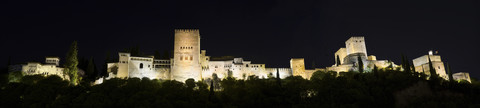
{"x": 140, "y": 67}
{"x": 50, "y": 68}
{"x": 123, "y": 71}
{"x": 237, "y": 68}
{"x": 186, "y": 55}
{"x": 421, "y": 65}
{"x": 298, "y": 67}
{"x": 341, "y": 53}
{"x": 462, "y": 76}
{"x": 356, "y": 44}
{"x": 424, "y": 59}
{"x": 284, "y": 72}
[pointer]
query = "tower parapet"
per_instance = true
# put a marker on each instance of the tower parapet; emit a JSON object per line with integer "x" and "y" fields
{"x": 187, "y": 31}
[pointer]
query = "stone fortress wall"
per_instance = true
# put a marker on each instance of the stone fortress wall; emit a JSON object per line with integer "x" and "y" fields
{"x": 191, "y": 62}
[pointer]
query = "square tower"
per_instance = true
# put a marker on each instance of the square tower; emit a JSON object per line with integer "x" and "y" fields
{"x": 356, "y": 44}
{"x": 186, "y": 59}
{"x": 123, "y": 69}
{"x": 298, "y": 67}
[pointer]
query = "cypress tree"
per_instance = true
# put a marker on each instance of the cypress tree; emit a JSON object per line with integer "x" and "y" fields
{"x": 375, "y": 70}
{"x": 91, "y": 69}
{"x": 212, "y": 93}
{"x": 8, "y": 64}
{"x": 166, "y": 55}
{"x": 413, "y": 67}
{"x": 403, "y": 62}
{"x": 71, "y": 63}
{"x": 278, "y": 78}
{"x": 360, "y": 64}
{"x": 433, "y": 72}
{"x": 338, "y": 60}
{"x": 157, "y": 55}
{"x": 108, "y": 59}
{"x": 450, "y": 73}
{"x": 407, "y": 64}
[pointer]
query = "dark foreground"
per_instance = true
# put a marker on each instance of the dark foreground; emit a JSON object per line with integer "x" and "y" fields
{"x": 376, "y": 89}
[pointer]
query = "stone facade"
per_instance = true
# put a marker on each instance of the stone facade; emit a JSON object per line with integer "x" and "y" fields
{"x": 356, "y": 44}
{"x": 190, "y": 62}
{"x": 355, "y": 47}
{"x": 51, "y": 67}
{"x": 341, "y": 53}
{"x": 462, "y": 76}
{"x": 186, "y": 55}
{"x": 421, "y": 65}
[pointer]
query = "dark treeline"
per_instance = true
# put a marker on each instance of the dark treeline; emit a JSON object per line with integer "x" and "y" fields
{"x": 380, "y": 88}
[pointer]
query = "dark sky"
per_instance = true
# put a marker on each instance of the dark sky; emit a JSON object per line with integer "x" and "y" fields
{"x": 264, "y": 31}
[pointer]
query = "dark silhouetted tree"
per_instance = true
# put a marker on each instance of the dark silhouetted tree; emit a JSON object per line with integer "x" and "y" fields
{"x": 338, "y": 60}
{"x": 71, "y": 63}
{"x": 134, "y": 51}
{"x": 157, "y": 55}
{"x": 90, "y": 72}
{"x": 278, "y": 78}
{"x": 413, "y": 67}
{"x": 405, "y": 63}
{"x": 166, "y": 55}
{"x": 360, "y": 64}
{"x": 450, "y": 73}
{"x": 212, "y": 91}
{"x": 190, "y": 83}
{"x": 108, "y": 59}
{"x": 433, "y": 72}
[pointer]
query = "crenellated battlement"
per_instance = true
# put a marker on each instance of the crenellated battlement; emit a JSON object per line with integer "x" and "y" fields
{"x": 356, "y": 38}
{"x": 186, "y": 31}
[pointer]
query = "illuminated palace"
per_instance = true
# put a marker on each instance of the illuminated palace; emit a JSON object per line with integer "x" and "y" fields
{"x": 189, "y": 61}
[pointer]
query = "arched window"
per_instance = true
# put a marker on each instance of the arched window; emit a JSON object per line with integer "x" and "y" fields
{"x": 141, "y": 65}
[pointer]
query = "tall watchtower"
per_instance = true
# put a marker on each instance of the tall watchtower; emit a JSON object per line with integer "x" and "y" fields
{"x": 356, "y": 44}
{"x": 186, "y": 59}
{"x": 298, "y": 67}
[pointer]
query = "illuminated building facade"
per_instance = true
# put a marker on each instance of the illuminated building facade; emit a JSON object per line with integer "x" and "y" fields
{"x": 348, "y": 57}
{"x": 191, "y": 62}
{"x": 422, "y": 65}
{"x": 51, "y": 67}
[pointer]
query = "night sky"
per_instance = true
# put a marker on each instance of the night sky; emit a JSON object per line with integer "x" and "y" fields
{"x": 264, "y": 31}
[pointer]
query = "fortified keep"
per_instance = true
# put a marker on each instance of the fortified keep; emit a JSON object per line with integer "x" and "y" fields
{"x": 186, "y": 55}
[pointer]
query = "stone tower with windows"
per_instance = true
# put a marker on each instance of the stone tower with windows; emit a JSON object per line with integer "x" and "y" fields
{"x": 298, "y": 67}
{"x": 186, "y": 61}
{"x": 123, "y": 69}
{"x": 356, "y": 44}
